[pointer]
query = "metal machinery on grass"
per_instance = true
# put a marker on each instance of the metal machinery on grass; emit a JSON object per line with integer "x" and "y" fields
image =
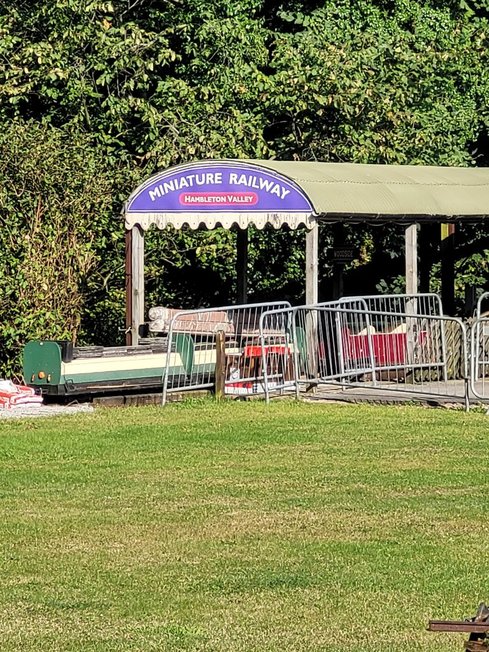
{"x": 477, "y": 627}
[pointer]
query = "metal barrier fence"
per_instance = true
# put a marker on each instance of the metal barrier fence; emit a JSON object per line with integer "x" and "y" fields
{"x": 193, "y": 334}
{"x": 395, "y": 315}
{"x": 482, "y": 305}
{"x": 279, "y": 360}
{"x": 427, "y": 304}
{"x": 389, "y": 343}
{"x": 345, "y": 344}
{"x": 479, "y": 348}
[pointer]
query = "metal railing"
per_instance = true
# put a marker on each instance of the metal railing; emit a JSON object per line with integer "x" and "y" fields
{"x": 345, "y": 344}
{"x": 193, "y": 334}
{"x": 389, "y": 343}
{"x": 278, "y": 358}
{"x": 479, "y": 350}
{"x": 479, "y": 358}
{"x": 392, "y": 313}
{"x": 482, "y": 305}
{"x": 428, "y": 304}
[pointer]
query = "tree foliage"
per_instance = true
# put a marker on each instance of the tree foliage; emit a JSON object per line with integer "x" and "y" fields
{"x": 53, "y": 201}
{"x": 95, "y": 96}
{"x": 410, "y": 86}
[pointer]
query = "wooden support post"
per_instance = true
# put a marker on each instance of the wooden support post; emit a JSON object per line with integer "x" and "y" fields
{"x": 426, "y": 239}
{"x": 128, "y": 267}
{"x": 411, "y": 252}
{"x": 137, "y": 282}
{"x": 220, "y": 373}
{"x": 312, "y": 293}
{"x": 312, "y": 265}
{"x": 338, "y": 285}
{"x": 338, "y": 266}
{"x": 242, "y": 266}
{"x": 447, "y": 251}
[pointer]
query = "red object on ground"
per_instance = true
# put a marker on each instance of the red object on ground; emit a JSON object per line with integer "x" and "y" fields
{"x": 249, "y": 368}
{"x": 12, "y": 395}
{"x": 255, "y": 351}
{"x": 388, "y": 348}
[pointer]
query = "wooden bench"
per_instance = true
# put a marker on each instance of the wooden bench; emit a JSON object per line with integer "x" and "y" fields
{"x": 240, "y": 323}
{"x": 192, "y": 323}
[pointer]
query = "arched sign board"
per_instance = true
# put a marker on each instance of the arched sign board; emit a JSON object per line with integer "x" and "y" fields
{"x": 218, "y": 193}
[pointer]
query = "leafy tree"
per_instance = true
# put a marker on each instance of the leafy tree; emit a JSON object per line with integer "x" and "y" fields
{"x": 165, "y": 82}
{"x": 54, "y": 199}
{"x": 361, "y": 84}
{"x": 399, "y": 82}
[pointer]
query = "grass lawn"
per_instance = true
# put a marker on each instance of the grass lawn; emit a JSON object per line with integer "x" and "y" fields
{"x": 240, "y": 527}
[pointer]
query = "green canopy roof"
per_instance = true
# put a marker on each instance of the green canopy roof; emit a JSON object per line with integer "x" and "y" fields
{"x": 389, "y": 192}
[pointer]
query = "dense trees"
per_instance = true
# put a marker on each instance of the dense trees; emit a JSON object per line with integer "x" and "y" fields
{"x": 97, "y": 95}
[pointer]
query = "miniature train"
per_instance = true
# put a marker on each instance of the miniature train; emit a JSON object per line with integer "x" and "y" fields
{"x": 181, "y": 354}
{"x": 61, "y": 369}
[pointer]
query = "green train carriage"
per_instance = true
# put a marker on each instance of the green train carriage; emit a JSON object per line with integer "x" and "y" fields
{"x": 61, "y": 369}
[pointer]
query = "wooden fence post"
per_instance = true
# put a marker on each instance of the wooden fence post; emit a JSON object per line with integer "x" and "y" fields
{"x": 220, "y": 374}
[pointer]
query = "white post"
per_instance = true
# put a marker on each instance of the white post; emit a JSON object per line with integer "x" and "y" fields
{"x": 137, "y": 290}
{"x": 312, "y": 295}
{"x": 411, "y": 245}
{"x": 411, "y": 253}
{"x": 312, "y": 266}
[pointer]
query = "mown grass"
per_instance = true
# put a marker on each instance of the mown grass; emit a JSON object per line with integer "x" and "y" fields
{"x": 242, "y": 527}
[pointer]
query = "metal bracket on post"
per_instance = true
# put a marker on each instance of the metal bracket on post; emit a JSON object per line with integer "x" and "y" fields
{"x": 477, "y": 628}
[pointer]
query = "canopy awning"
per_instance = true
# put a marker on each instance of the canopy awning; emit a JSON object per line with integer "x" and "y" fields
{"x": 228, "y": 192}
{"x": 390, "y": 192}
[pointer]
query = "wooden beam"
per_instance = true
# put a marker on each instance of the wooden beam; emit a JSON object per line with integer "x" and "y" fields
{"x": 128, "y": 268}
{"x": 137, "y": 283}
{"x": 447, "y": 251}
{"x": 426, "y": 257}
{"x": 338, "y": 267}
{"x": 220, "y": 373}
{"x": 242, "y": 266}
{"x": 411, "y": 253}
{"x": 312, "y": 265}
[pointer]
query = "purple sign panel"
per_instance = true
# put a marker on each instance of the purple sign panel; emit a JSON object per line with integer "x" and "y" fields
{"x": 223, "y": 187}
